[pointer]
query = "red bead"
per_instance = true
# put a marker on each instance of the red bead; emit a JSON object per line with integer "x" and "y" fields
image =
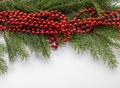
{"x": 28, "y": 31}
{"x": 33, "y": 32}
{"x": 78, "y": 31}
{"x": 119, "y": 31}
{"x": 54, "y": 46}
{"x": 42, "y": 31}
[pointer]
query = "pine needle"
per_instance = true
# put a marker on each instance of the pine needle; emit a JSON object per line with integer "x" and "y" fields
{"x": 98, "y": 45}
{"x": 15, "y": 47}
{"x": 3, "y": 66}
{"x": 36, "y": 43}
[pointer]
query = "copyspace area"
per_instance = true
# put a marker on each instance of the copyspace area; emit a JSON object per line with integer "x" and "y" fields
{"x": 65, "y": 69}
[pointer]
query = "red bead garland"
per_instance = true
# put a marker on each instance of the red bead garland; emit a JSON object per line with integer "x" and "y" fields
{"x": 54, "y": 24}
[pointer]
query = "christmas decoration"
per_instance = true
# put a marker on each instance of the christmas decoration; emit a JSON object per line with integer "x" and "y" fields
{"x": 41, "y": 25}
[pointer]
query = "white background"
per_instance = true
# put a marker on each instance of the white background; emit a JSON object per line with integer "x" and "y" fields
{"x": 65, "y": 69}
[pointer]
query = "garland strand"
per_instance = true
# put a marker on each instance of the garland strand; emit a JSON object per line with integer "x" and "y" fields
{"x": 54, "y": 24}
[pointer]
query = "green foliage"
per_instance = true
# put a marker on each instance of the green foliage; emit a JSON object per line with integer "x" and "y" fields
{"x": 11, "y": 5}
{"x": 108, "y": 4}
{"x": 15, "y": 47}
{"x": 36, "y": 43}
{"x": 3, "y": 65}
{"x": 99, "y": 42}
{"x": 2, "y": 49}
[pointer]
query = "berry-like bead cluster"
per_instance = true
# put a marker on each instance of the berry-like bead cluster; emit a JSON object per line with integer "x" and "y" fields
{"x": 85, "y": 25}
{"x": 54, "y": 24}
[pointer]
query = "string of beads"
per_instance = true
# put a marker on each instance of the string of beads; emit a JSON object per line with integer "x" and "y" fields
{"x": 54, "y": 25}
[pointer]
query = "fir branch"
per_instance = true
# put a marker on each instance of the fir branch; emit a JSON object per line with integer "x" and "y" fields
{"x": 98, "y": 8}
{"x": 106, "y": 52}
{"x": 37, "y": 43}
{"x": 43, "y": 3}
{"x": 2, "y": 49}
{"x": 97, "y": 45}
{"x": 70, "y": 6}
{"x": 3, "y": 66}
{"x": 23, "y": 7}
{"x": 15, "y": 47}
{"x": 112, "y": 35}
{"x": 10, "y": 5}
{"x": 109, "y": 32}
{"x": 108, "y": 4}
{"x": 64, "y": 5}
